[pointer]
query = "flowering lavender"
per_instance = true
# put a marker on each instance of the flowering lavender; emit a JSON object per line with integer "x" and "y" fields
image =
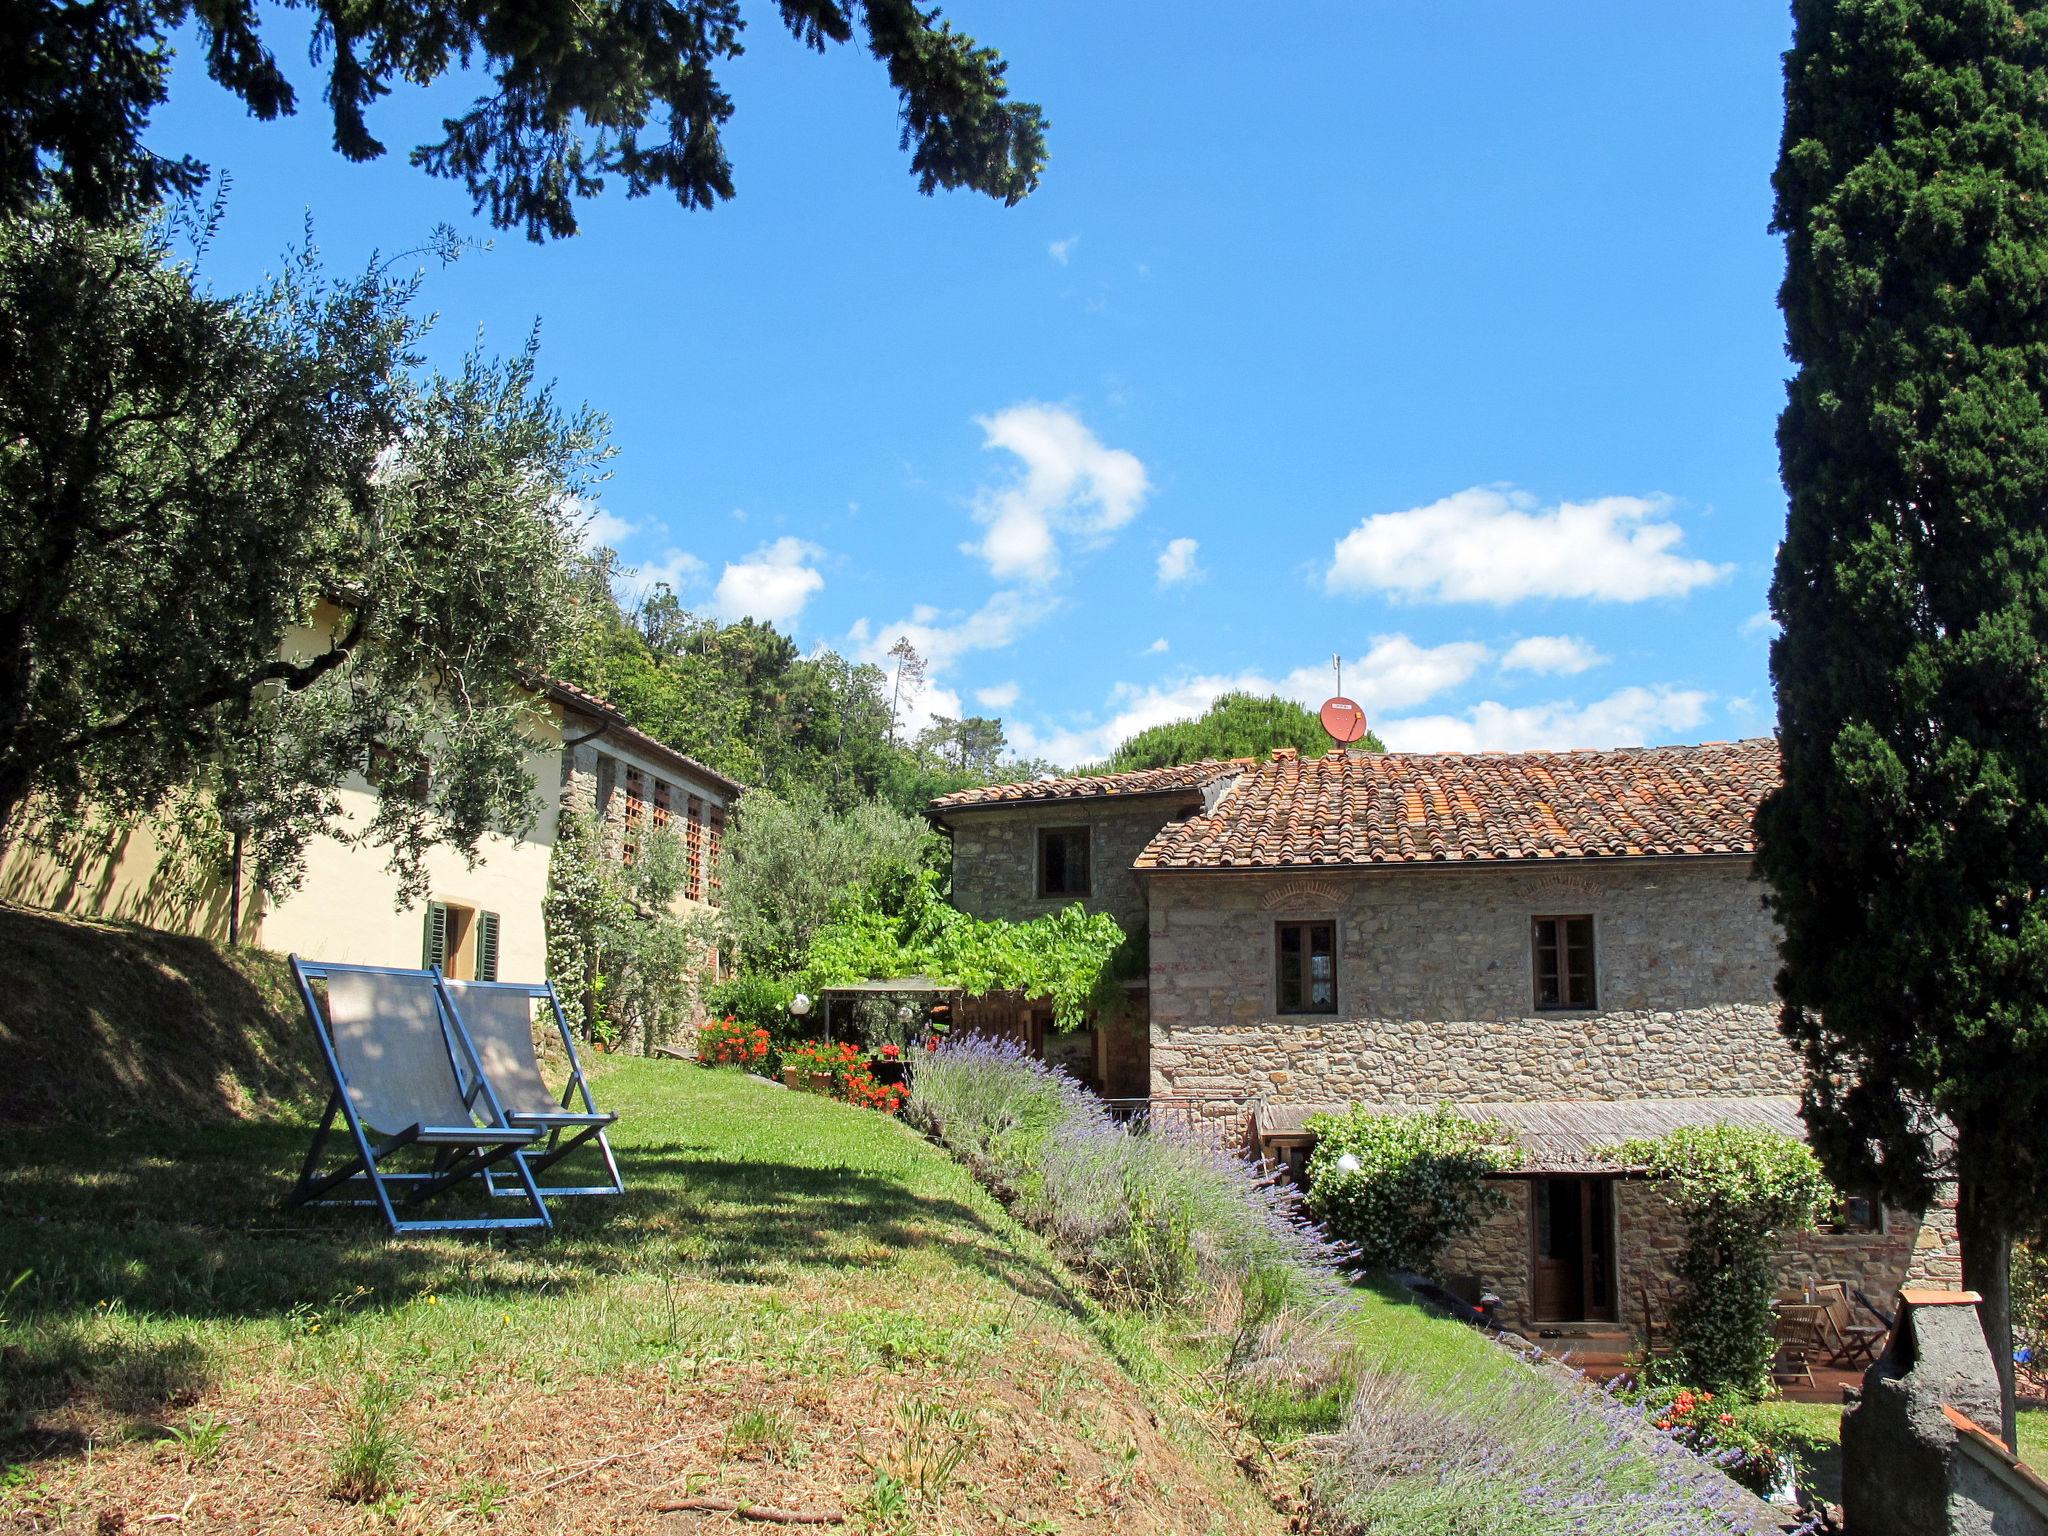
{"x": 1514, "y": 1453}
{"x": 1154, "y": 1221}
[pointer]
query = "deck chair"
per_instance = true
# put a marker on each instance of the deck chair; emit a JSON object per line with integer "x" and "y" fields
{"x": 387, "y": 1037}
{"x": 1850, "y": 1343}
{"x": 499, "y": 1018}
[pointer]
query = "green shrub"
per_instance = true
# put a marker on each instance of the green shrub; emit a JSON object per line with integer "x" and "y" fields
{"x": 1420, "y": 1181}
{"x": 759, "y": 1001}
{"x": 1740, "y": 1190}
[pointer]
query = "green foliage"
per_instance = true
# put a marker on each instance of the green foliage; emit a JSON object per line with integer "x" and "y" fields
{"x": 758, "y": 1000}
{"x": 625, "y": 964}
{"x": 1071, "y": 958}
{"x": 1740, "y": 1192}
{"x": 1420, "y": 1181}
{"x": 578, "y": 97}
{"x": 789, "y": 858}
{"x": 374, "y": 1450}
{"x": 1908, "y": 847}
{"x": 742, "y": 698}
{"x": 185, "y": 478}
{"x": 1236, "y": 725}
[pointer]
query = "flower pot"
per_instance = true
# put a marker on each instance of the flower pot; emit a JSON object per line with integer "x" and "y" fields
{"x": 792, "y": 1078}
{"x": 818, "y": 1082}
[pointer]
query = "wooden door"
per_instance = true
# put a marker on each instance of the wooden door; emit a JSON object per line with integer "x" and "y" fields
{"x": 1572, "y": 1251}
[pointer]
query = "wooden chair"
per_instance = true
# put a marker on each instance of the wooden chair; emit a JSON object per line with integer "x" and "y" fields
{"x": 1656, "y": 1325}
{"x": 1849, "y": 1343}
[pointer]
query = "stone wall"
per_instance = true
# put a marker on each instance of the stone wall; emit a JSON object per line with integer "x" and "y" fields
{"x": 1649, "y": 1236}
{"x": 995, "y": 855}
{"x": 1435, "y": 987}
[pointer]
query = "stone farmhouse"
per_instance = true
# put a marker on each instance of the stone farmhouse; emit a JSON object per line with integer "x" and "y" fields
{"x": 1574, "y": 944}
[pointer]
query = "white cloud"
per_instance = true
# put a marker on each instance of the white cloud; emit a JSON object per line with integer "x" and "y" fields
{"x": 993, "y": 626}
{"x": 599, "y": 527}
{"x": 1062, "y": 251}
{"x": 1070, "y": 483}
{"x": 1177, "y": 562}
{"x": 1158, "y": 647}
{"x": 678, "y": 567}
{"x": 1395, "y": 673}
{"x": 771, "y": 584}
{"x": 1631, "y": 717}
{"x": 1550, "y": 655}
{"x": 1000, "y": 696}
{"x": 1759, "y": 623}
{"x": 1494, "y": 544}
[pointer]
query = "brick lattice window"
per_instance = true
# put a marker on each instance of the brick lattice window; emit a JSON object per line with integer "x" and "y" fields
{"x": 1063, "y": 861}
{"x": 693, "y": 847}
{"x": 662, "y": 806}
{"x": 1564, "y": 961}
{"x": 636, "y": 813}
{"x": 1306, "y": 963}
{"x": 714, "y": 838}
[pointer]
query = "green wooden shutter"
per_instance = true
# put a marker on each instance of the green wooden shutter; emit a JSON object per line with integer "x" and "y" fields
{"x": 487, "y": 946}
{"x": 435, "y": 949}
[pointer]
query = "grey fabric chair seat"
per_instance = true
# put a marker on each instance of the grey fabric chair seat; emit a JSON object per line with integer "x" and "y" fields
{"x": 499, "y": 1018}
{"x": 393, "y": 1049}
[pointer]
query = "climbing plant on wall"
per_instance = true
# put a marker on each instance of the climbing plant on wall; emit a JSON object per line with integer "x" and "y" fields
{"x": 1401, "y": 1187}
{"x": 1071, "y": 959}
{"x": 1740, "y": 1191}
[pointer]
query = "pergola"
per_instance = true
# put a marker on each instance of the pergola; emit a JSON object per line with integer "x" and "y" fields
{"x": 935, "y": 992}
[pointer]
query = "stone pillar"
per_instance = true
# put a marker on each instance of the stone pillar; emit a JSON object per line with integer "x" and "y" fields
{"x": 1904, "y": 1468}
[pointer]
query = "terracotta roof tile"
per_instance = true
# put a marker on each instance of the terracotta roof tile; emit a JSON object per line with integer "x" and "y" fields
{"x": 1366, "y": 808}
{"x": 1103, "y": 786}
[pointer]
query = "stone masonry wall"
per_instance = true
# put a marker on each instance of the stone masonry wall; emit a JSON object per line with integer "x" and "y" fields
{"x": 995, "y": 856}
{"x": 1649, "y": 1235}
{"x": 1435, "y": 987}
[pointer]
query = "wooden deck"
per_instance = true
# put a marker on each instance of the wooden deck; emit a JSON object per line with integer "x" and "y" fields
{"x": 1602, "y": 1357}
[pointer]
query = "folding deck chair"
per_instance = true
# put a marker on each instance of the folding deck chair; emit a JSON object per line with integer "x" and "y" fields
{"x": 498, "y": 1016}
{"x": 392, "y": 1043}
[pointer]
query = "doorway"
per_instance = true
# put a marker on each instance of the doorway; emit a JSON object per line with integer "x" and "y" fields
{"x": 1573, "y": 1250}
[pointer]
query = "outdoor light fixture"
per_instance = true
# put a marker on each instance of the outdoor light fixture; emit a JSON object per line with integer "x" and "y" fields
{"x": 800, "y": 1005}
{"x": 905, "y": 1014}
{"x": 1348, "y": 1164}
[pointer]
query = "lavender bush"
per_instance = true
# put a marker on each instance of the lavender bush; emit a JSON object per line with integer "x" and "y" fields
{"x": 1510, "y": 1454}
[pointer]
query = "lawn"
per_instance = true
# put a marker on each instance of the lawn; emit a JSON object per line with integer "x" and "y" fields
{"x": 797, "y": 1304}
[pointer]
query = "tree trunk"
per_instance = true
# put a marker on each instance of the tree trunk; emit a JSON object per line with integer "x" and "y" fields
{"x": 1987, "y": 1270}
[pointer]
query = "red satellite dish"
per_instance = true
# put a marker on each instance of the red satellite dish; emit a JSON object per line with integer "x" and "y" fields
{"x": 1344, "y": 720}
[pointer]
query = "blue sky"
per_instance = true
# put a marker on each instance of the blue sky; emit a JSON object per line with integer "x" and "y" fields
{"x": 1441, "y": 337}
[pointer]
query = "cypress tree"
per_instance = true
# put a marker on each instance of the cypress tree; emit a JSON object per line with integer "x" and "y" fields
{"x": 1907, "y": 851}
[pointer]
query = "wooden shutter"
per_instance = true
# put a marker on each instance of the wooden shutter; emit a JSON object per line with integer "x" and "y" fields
{"x": 487, "y": 946}
{"x": 434, "y": 951}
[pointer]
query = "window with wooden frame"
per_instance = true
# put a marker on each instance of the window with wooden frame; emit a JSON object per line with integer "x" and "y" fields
{"x": 693, "y": 847}
{"x": 1856, "y": 1213}
{"x": 1063, "y": 861}
{"x": 1563, "y": 953}
{"x": 462, "y": 941}
{"x": 1305, "y": 956}
{"x": 636, "y": 812}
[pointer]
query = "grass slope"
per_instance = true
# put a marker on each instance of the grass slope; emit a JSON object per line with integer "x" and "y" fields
{"x": 798, "y": 1304}
{"x": 108, "y": 1021}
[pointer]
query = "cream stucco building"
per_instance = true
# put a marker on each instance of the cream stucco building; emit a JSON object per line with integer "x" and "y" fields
{"x": 478, "y": 920}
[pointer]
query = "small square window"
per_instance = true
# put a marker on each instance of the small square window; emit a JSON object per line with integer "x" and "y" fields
{"x": 1063, "y": 861}
{"x": 1858, "y": 1213}
{"x": 1564, "y": 962}
{"x": 1306, "y": 956}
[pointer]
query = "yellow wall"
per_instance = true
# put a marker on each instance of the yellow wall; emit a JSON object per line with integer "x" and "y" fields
{"x": 346, "y": 907}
